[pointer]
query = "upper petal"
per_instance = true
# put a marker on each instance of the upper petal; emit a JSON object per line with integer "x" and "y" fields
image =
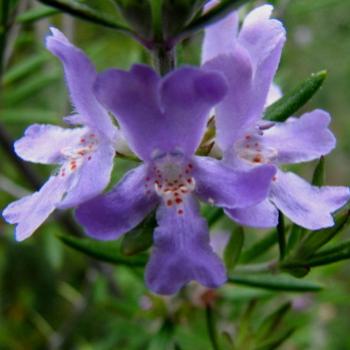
{"x": 160, "y": 114}
{"x": 301, "y": 139}
{"x": 31, "y": 211}
{"x": 182, "y": 252}
{"x": 92, "y": 177}
{"x": 306, "y": 205}
{"x": 220, "y": 37}
{"x": 250, "y": 69}
{"x": 43, "y": 143}
{"x": 225, "y": 187}
{"x": 80, "y": 77}
{"x": 110, "y": 215}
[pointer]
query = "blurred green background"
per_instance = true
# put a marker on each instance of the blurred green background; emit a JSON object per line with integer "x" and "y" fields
{"x": 52, "y": 297}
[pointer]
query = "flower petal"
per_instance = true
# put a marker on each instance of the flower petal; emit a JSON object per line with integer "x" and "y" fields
{"x": 80, "y": 76}
{"x": 301, "y": 139}
{"x": 43, "y": 143}
{"x": 160, "y": 114}
{"x": 306, "y": 205}
{"x": 262, "y": 215}
{"x": 182, "y": 251}
{"x": 93, "y": 176}
{"x": 274, "y": 94}
{"x": 220, "y": 37}
{"x": 225, "y": 187}
{"x": 249, "y": 69}
{"x": 110, "y": 215}
{"x": 31, "y": 211}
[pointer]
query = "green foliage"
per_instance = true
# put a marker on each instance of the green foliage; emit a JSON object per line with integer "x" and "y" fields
{"x": 294, "y": 100}
{"x": 104, "y": 251}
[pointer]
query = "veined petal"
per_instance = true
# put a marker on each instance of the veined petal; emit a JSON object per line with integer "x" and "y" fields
{"x": 182, "y": 252}
{"x": 301, "y": 139}
{"x": 43, "y": 143}
{"x": 160, "y": 114}
{"x": 92, "y": 177}
{"x": 31, "y": 211}
{"x": 262, "y": 215}
{"x": 225, "y": 187}
{"x": 110, "y": 215}
{"x": 306, "y": 205}
{"x": 80, "y": 76}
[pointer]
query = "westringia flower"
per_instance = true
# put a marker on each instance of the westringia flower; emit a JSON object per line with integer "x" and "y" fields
{"x": 84, "y": 154}
{"x": 163, "y": 120}
{"x": 249, "y": 59}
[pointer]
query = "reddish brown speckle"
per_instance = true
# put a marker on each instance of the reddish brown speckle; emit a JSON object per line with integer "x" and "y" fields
{"x": 178, "y": 200}
{"x": 257, "y": 159}
{"x": 274, "y": 178}
{"x": 180, "y": 211}
{"x": 169, "y": 203}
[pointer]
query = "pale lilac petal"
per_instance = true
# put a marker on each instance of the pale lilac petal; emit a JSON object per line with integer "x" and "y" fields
{"x": 306, "y": 205}
{"x": 80, "y": 77}
{"x": 274, "y": 94}
{"x": 160, "y": 114}
{"x": 44, "y": 143}
{"x": 262, "y": 215}
{"x": 31, "y": 211}
{"x": 182, "y": 252}
{"x": 110, "y": 215}
{"x": 301, "y": 139}
{"x": 264, "y": 39}
{"x": 249, "y": 69}
{"x": 92, "y": 178}
{"x": 225, "y": 187}
{"x": 236, "y": 111}
{"x": 220, "y": 37}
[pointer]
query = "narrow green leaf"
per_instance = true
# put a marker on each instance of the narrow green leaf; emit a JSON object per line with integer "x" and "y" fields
{"x": 28, "y": 88}
{"x": 281, "y": 235}
{"x": 291, "y": 102}
{"x": 234, "y": 247}
{"x": 296, "y": 233}
{"x": 318, "y": 178}
{"x": 137, "y": 14}
{"x": 104, "y": 251}
{"x": 215, "y": 14}
{"x": 82, "y": 11}
{"x": 211, "y": 327}
{"x": 316, "y": 239}
{"x": 24, "y": 68}
{"x": 36, "y": 14}
{"x": 276, "y": 341}
{"x": 259, "y": 248}
{"x": 25, "y": 115}
{"x": 337, "y": 253}
{"x": 140, "y": 238}
{"x": 298, "y": 262}
{"x": 272, "y": 321}
{"x": 212, "y": 215}
{"x": 276, "y": 282}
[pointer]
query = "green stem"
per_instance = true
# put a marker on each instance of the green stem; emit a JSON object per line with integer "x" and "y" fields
{"x": 270, "y": 266}
{"x": 281, "y": 236}
{"x": 163, "y": 59}
{"x": 211, "y": 327}
{"x": 5, "y": 8}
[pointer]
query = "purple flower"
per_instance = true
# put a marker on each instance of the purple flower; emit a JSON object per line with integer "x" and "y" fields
{"x": 163, "y": 120}
{"x": 249, "y": 59}
{"x": 84, "y": 154}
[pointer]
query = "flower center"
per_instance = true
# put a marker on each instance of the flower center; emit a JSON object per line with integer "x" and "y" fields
{"x": 252, "y": 148}
{"x": 75, "y": 156}
{"x": 172, "y": 180}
